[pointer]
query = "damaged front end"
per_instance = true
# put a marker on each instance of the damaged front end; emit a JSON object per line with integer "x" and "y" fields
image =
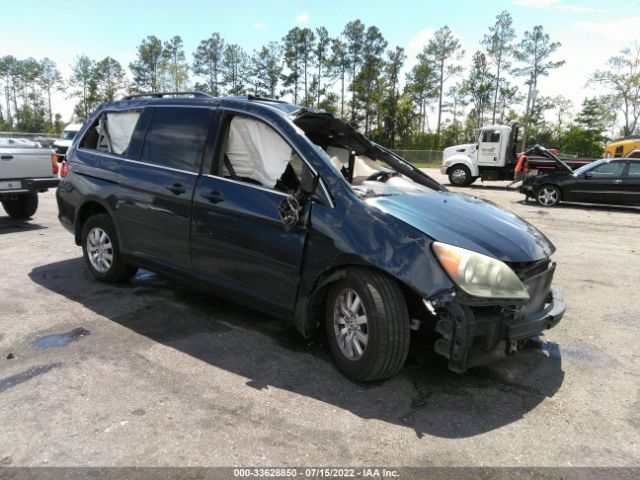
{"x": 477, "y": 331}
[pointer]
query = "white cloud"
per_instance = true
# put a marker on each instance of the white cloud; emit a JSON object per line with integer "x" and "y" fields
{"x": 585, "y": 53}
{"x": 303, "y": 17}
{"x": 558, "y": 5}
{"x": 259, "y": 26}
{"x": 416, "y": 45}
{"x": 619, "y": 31}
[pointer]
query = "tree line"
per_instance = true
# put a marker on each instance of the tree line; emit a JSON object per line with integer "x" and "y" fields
{"x": 356, "y": 75}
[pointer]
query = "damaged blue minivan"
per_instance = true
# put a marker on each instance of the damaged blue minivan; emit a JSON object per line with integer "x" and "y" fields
{"x": 293, "y": 212}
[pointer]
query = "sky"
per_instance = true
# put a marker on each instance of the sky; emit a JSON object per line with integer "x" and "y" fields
{"x": 589, "y": 31}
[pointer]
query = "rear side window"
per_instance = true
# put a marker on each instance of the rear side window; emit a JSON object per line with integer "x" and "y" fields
{"x": 176, "y": 138}
{"x": 619, "y": 151}
{"x": 111, "y": 132}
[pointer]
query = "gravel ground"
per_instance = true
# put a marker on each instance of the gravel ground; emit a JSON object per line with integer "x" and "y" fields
{"x": 154, "y": 374}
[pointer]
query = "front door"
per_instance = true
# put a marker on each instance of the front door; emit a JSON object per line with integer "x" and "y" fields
{"x": 489, "y": 148}
{"x": 238, "y": 241}
{"x": 602, "y": 184}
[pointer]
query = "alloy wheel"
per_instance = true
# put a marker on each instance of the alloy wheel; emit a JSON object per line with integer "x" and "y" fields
{"x": 99, "y": 249}
{"x": 548, "y": 196}
{"x": 350, "y": 324}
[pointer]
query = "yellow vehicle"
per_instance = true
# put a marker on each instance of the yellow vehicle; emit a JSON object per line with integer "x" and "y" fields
{"x": 621, "y": 147}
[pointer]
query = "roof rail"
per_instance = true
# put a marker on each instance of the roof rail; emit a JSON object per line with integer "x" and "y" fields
{"x": 168, "y": 94}
{"x": 264, "y": 99}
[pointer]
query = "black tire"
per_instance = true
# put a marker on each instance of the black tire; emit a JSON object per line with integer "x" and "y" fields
{"x": 460, "y": 176}
{"x": 118, "y": 270}
{"x": 387, "y": 325}
{"x": 23, "y": 207}
{"x": 548, "y": 196}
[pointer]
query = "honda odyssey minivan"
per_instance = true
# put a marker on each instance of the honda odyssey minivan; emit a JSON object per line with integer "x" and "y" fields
{"x": 295, "y": 213}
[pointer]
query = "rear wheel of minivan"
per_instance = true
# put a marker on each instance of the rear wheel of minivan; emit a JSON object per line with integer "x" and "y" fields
{"x": 101, "y": 251}
{"x": 367, "y": 324}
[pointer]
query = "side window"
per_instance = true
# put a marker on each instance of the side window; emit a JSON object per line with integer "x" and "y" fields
{"x": 111, "y": 132}
{"x": 608, "y": 170}
{"x": 176, "y": 138}
{"x": 619, "y": 151}
{"x": 491, "y": 136}
{"x": 255, "y": 153}
{"x": 634, "y": 170}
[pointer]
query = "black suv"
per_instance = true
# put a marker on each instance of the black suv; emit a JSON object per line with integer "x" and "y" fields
{"x": 294, "y": 212}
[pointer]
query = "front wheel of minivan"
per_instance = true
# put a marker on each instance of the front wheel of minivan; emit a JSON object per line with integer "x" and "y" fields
{"x": 101, "y": 251}
{"x": 367, "y": 324}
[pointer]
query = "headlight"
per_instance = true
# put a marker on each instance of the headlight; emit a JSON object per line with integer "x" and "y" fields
{"x": 479, "y": 275}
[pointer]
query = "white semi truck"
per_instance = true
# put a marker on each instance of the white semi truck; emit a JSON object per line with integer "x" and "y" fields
{"x": 494, "y": 157}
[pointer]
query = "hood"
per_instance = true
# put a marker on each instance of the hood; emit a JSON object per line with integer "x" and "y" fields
{"x": 457, "y": 149}
{"x": 470, "y": 223}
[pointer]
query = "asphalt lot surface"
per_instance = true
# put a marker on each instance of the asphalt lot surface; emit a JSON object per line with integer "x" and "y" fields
{"x": 153, "y": 374}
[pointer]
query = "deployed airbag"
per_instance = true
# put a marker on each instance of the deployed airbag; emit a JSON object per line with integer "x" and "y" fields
{"x": 120, "y": 127}
{"x": 256, "y": 151}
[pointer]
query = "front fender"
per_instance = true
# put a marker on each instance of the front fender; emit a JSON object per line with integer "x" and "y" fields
{"x": 464, "y": 160}
{"x": 356, "y": 234}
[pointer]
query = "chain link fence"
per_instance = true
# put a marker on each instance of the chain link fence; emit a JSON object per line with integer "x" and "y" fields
{"x": 421, "y": 157}
{"x": 418, "y": 157}
{"x": 434, "y": 157}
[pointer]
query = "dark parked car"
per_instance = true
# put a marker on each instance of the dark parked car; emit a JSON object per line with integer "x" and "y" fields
{"x": 294, "y": 212}
{"x": 610, "y": 181}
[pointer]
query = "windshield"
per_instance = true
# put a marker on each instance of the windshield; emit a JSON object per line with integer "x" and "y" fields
{"x": 68, "y": 134}
{"x": 374, "y": 178}
{"x": 588, "y": 167}
{"x": 368, "y": 168}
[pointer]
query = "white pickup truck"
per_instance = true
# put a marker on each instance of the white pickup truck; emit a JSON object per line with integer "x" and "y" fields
{"x": 24, "y": 172}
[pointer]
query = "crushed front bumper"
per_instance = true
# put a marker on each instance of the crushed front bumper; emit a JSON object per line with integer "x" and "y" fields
{"x": 473, "y": 335}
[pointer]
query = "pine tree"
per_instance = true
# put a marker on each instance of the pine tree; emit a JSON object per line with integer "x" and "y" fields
{"x": 207, "y": 62}
{"x": 499, "y": 49}
{"x": 146, "y": 68}
{"x": 443, "y": 48}
{"x": 175, "y": 71}
{"x": 533, "y": 53}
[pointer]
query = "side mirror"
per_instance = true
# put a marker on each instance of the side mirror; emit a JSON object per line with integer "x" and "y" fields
{"x": 588, "y": 175}
{"x": 291, "y": 209}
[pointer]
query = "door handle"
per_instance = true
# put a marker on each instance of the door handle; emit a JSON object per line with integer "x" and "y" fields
{"x": 214, "y": 196}
{"x": 617, "y": 182}
{"x": 7, "y": 157}
{"x": 176, "y": 188}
